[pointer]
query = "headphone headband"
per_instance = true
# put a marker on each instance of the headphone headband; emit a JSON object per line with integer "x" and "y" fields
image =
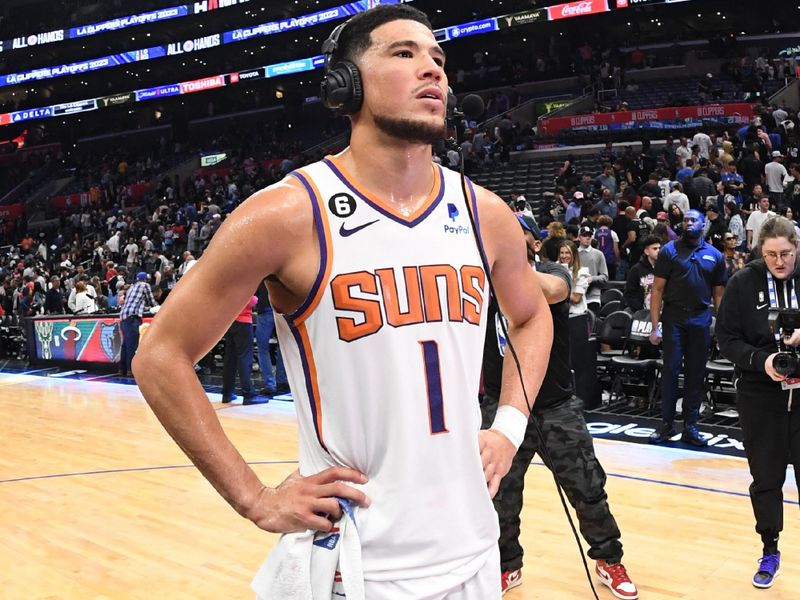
{"x": 341, "y": 84}
{"x": 330, "y": 45}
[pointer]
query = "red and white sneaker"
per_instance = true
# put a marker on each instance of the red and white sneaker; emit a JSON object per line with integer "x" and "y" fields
{"x": 510, "y": 579}
{"x": 616, "y": 578}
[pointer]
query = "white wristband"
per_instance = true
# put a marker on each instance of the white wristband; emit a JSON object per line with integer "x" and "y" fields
{"x": 512, "y": 423}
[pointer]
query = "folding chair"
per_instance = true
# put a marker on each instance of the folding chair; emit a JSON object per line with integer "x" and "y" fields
{"x": 635, "y": 374}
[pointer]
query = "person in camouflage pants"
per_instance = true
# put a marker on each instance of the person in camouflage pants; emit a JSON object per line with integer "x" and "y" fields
{"x": 571, "y": 455}
{"x": 566, "y": 445}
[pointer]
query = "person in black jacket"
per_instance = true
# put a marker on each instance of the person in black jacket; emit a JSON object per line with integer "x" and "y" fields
{"x": 639, "y": 282}
{"x": 568, "y": 444}
{"x": 717, "y": 227}
{"x": 768, "y": 412}
{"x": 55, "y": 299}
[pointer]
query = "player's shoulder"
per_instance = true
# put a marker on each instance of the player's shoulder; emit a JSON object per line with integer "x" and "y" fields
{"x": 488, "y": 202}
{"x": 288, "y": 198}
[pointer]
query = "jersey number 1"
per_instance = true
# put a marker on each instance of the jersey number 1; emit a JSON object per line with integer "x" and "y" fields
{"x": 433, "y": 382}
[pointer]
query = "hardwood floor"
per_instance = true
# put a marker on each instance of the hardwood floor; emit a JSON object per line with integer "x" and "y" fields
{"x": 98, "y": 502}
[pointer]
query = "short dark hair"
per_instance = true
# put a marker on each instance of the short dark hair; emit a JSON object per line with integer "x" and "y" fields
{"x": 650, "y": 240}
{"x": 551, "y": 248}
{"x": 356, "y": 35}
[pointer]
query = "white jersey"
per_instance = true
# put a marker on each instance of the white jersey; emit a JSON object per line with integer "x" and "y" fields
{"x": 384, "y": 360}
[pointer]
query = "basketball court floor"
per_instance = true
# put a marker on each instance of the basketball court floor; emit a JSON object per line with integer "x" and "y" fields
{"x": 96, "y": 501}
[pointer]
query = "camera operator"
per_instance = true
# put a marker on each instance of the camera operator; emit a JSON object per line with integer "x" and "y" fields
{"x": 768, "y": 413}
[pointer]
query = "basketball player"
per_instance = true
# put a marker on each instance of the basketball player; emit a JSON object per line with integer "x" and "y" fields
{"x": 380, "y": 298}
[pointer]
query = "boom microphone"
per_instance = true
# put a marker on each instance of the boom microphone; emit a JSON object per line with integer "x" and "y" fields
{"x": 452, "y": 101}
{"x": 472, "y": 107}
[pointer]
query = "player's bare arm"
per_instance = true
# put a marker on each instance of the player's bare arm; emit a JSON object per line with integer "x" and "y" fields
{"x": 530, "y": 326}
{"x": 271, "y": 235}
{"x": 520, "y": 297}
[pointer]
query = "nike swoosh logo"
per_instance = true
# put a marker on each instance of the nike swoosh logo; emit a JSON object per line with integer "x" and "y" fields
{"x": 760, "y": 306}
{"x": 344, "y": 232}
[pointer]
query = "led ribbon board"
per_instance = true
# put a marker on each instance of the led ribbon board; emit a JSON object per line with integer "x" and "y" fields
{"x": 116, "y": 24}
{"x": 188, "y": 46}
{"x": 446, "y": 34}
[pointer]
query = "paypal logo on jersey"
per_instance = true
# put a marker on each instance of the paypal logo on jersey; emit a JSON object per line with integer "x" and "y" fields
{"x": 452, "y": 213}
{"x": 456, "y": 229}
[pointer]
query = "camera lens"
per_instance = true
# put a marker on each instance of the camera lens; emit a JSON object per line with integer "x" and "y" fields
{"x": 786, "y": 364}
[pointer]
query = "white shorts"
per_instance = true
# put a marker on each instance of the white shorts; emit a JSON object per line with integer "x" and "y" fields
{"x": 483, "y": 584}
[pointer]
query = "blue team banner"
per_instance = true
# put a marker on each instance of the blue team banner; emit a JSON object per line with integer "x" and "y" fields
{"x": 116, "y": 24}
{"x": 317, "y": 18}
{"x": 146, "y": 18}
{"x": 85, "y": 66}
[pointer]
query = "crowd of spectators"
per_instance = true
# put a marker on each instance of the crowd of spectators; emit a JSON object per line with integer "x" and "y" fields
{"x": 136, "y": 218}
{"x": 737, "y": 178}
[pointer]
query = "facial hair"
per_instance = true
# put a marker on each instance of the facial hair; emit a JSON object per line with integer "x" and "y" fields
{"x": 692, "y": 236}
{"x": 411, "y": 131}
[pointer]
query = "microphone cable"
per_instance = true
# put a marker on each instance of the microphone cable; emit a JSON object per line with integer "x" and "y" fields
{"x": 531, "y": 419}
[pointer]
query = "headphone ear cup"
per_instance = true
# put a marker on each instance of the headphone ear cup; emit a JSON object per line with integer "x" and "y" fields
{"x": 357, "y": 95}
{"x": 341, "y": 88}
{"x": 331, "y": 89}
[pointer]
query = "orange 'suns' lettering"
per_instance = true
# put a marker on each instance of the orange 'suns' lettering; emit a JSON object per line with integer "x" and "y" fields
{"x": 391, "y": 302}
{"x": 429, "y": 275}
{"x": 351, "y": 328}
{"x": 470, "y": 276}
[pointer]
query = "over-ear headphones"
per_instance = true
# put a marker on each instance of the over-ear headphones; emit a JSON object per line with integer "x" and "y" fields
{"x": 341, "y": 87}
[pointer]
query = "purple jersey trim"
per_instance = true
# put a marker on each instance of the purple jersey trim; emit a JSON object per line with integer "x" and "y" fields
{"x": 312, "y": 401}
{"x": 323, "y": 247}
{"x": 382, "y": 210}
{"x": 473, "y": 207}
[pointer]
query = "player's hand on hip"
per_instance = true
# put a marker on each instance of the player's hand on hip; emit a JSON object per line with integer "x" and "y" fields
{"x": 301, "y": 503}
{"x": 497, "y": 452}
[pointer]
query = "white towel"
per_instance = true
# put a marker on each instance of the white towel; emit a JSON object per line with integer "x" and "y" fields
{"x": 312, "y": 565}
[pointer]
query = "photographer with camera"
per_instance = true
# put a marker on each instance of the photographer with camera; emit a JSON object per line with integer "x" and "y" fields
{"x": 758, "y": 330}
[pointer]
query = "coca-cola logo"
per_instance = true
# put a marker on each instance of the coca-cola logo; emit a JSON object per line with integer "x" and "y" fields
{"x": 572, "y": 10}
{"x": 576, "y": 9}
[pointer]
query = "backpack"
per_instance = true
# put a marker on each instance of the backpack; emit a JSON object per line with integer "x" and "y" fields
{"x": 642, "y": 231}
{"x": 605, "y": 243}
